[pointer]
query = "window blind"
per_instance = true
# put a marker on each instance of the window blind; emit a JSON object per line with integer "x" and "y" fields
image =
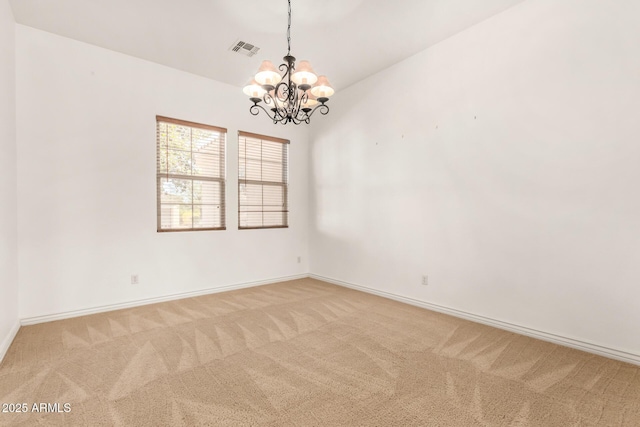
{"x": 263, "y": 180}
{"x": 190, "y": 175}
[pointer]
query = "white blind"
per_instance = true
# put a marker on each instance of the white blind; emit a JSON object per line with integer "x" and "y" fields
{"x": 190, "y": 175}
{"x": 263, "y": 179}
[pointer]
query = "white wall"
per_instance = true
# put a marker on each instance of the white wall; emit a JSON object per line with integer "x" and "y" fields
{"x": 504, "y": 164}
{"x": 8, "y": 227}
{"x": 87, "y": 188}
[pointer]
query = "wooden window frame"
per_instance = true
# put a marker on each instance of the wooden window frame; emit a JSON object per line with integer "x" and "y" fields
{"x": 284, "y": 184}
{"x": 221, "y": 180}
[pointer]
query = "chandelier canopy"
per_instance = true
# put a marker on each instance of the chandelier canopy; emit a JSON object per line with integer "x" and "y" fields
{"x": 291, "y": 95}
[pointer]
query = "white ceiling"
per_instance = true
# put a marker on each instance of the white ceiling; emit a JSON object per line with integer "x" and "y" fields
{"x": 347, "y": 40}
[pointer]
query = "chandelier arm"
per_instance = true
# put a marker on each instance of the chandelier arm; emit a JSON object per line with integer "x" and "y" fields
{"x": 255, "y": 110}
{"x": 275, "y": 102}
{"x": 302, "y": 117}
{"x": 293, "y": 102}
{"x": 324, "y": 110}
{"x": 288, "y": 69}
{"x": 279, "y": 110}
{"x": 282, "y": 92}
{"x": 302, "y": 99}
{"x": 270, "y": 102}
{"x": 277, "y": 117}
{"x": 284, "y": 68}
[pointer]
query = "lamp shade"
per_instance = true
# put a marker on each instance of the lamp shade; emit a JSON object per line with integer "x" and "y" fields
{"x": 304, "y": 74}
{"x": 254, "y": 90}
{"x": 268, "y": 74}
{"x": 323, "y": 88}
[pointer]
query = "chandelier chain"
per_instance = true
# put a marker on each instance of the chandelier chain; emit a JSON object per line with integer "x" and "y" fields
{"x": 289, "y": 31}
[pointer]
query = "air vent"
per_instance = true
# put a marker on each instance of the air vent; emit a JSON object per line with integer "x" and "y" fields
{"x": 244, "y": 48}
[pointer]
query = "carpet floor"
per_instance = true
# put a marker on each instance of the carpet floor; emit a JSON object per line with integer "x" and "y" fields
{"x": 304, "y": 353}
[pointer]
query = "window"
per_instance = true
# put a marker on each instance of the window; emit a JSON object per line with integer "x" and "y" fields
{"x": 262, "y": 181}
{"x": 190, "y": 175}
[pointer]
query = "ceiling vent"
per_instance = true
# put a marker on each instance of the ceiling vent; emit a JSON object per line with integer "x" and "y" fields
{"x": 244, "y": 48}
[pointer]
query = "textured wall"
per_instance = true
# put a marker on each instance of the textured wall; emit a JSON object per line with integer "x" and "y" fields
{"x": 8, "y": 227}
{"x": 87, "y": 186}
{"x": 503, "y": 164}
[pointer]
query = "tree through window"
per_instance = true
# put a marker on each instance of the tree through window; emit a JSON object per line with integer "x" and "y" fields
{"x": 190, "y": 175}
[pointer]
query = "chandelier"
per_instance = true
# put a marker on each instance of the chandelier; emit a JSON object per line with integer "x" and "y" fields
{"x": 290, "y": 97}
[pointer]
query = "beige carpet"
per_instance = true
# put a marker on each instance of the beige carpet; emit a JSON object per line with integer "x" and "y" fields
{"x": 305, "y": 353}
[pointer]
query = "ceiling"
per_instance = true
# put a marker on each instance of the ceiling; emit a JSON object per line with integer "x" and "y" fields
{"x": 347, "y": 40}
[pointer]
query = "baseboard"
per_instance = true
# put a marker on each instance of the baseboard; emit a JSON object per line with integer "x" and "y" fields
{"x": 147, "y": 301}
{"x": 589, "y": 347}
{"x": 6, "y": 342}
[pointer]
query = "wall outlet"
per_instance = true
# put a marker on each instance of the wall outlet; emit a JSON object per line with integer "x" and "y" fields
{"x": 299, "y": 259}
{"x": 425, "y": 280}
{"x": 135, "y": 279}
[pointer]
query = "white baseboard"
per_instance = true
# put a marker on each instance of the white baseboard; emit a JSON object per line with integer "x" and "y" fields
{"x": 146, "y": 301}
{"x": 589, "y": 347}
{"x": 6, "y": 342}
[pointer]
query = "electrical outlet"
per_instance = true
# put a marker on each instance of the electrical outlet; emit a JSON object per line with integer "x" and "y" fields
{"x": 425, "y": 280}
{"x": 299, "y": 259}
{"x": 135, "y": 279}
